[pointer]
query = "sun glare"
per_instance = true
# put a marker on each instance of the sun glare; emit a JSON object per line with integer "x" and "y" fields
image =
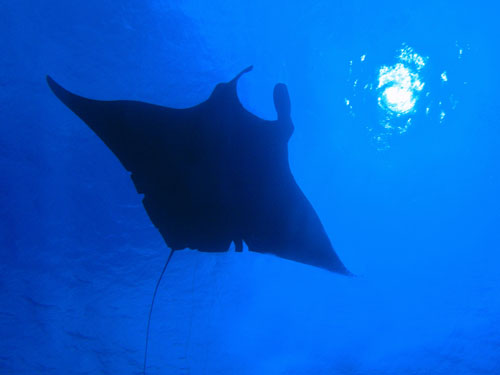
{"x": 400, "y": 84}
{"x": 392, "y": 98}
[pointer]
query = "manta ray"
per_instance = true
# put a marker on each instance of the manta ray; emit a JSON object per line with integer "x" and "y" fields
{"x": 214, "y": 174}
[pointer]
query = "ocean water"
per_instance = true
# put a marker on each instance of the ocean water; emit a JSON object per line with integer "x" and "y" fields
{"x": 396, "y": 145}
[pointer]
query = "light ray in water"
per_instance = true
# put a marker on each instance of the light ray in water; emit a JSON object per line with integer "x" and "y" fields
{"x": 389, "y": 99}
{"x": 399, "y": 85}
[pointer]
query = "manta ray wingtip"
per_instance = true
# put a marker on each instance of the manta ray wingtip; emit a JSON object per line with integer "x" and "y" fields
{"x": 56, "y": 88}
{"x": 50, "y": 80}
{"x": 338, "y": 267}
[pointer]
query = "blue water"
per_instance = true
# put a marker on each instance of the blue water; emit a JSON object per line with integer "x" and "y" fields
{"x": 412, "y": 208}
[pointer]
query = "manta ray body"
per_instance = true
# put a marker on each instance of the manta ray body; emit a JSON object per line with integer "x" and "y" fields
{"x": 213, "y": 174}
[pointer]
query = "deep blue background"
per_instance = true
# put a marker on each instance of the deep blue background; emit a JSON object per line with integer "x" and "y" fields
{"x": 418, "y": 221}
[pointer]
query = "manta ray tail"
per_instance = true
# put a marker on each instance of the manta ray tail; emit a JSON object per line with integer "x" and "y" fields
{"x": 151, "y": 309}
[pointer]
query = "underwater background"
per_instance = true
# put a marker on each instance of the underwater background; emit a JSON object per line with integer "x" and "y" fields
{"x": 396, "y": 145}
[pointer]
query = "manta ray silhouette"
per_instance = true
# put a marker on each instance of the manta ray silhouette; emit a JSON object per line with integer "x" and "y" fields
{"x": 213, "y": 174}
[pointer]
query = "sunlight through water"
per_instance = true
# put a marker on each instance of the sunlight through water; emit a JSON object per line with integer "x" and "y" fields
{"x": 388, "y": 99}
{"x": 399, "y": 87}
